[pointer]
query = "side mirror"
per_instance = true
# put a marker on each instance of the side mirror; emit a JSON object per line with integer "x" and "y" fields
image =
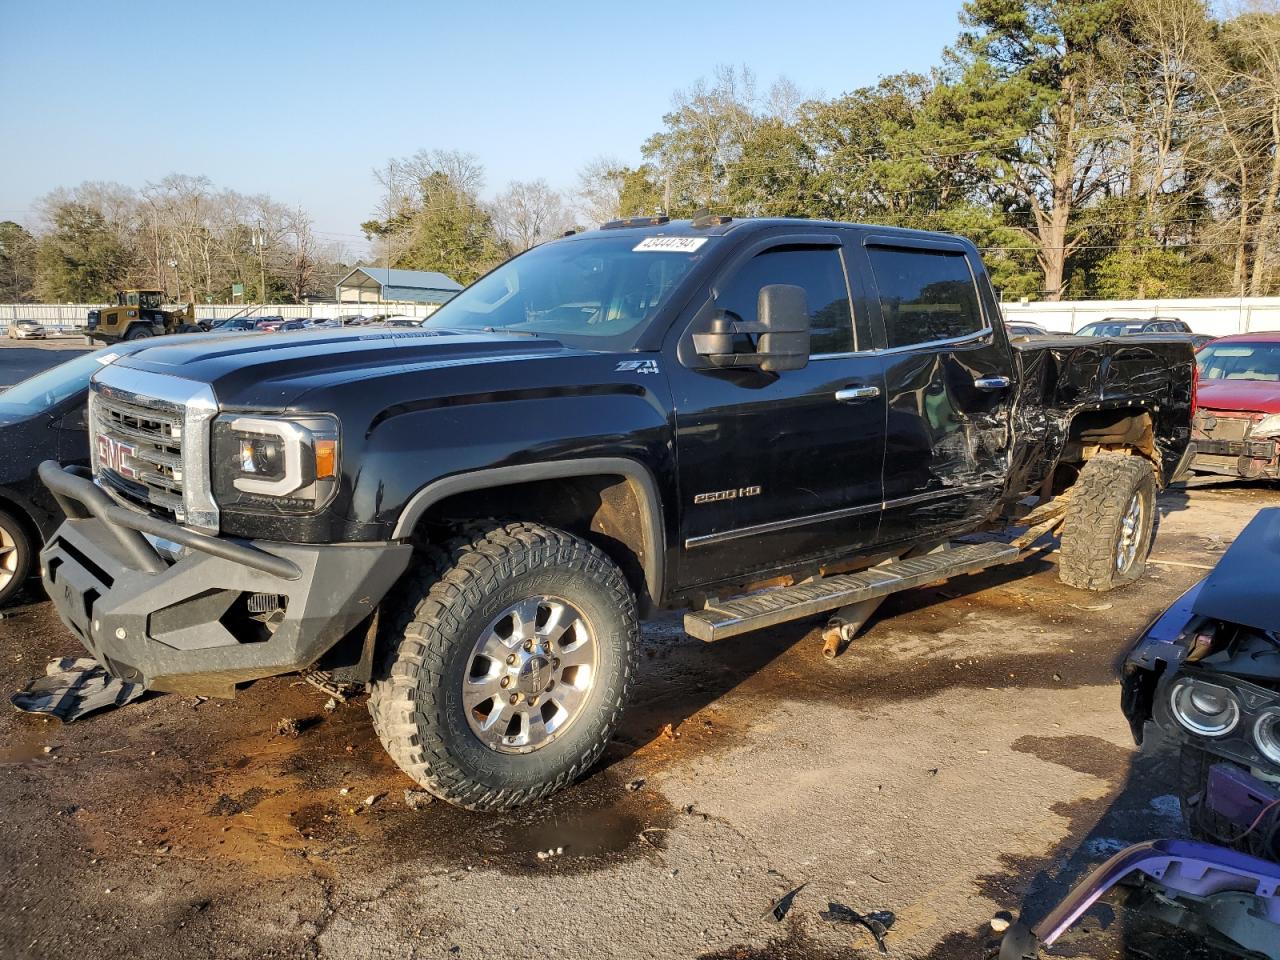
{"x": 781, "y": 329}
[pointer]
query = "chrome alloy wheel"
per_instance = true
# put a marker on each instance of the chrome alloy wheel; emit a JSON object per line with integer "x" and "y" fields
{"x": 529, "y": 674}
{"x": 8, "y": 557}
{"x": 1130, "y": 533}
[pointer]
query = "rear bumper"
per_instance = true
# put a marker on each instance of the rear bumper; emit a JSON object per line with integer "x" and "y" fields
{"x": 188, "y": 625}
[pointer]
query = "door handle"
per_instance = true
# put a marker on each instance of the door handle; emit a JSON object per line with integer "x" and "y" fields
{"x": 854, "y": 394}
{"x": 991, "y": 383}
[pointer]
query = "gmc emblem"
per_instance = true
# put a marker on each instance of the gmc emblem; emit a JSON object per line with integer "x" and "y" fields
{"x": 114, "y": 455}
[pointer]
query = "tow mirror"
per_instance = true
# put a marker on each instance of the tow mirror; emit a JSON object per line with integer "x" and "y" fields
{"x": 778, "y": 339}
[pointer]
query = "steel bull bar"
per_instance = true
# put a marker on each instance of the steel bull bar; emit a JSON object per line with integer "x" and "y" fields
{"x": 216, "y": 611}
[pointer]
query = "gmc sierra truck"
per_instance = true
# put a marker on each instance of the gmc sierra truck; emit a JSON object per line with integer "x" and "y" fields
{"x": 753, "y": 420}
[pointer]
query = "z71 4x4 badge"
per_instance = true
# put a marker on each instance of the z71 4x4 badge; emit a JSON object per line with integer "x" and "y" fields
{"x": 636, "y": 366}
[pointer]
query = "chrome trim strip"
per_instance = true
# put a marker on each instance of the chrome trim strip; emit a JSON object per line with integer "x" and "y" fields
{"x": 198, "y": 406}
{"x": 952, "y": 341}
{"x": 774, "y": 526}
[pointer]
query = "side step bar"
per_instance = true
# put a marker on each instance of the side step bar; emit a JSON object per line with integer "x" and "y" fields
{"x": 728, "y": 618}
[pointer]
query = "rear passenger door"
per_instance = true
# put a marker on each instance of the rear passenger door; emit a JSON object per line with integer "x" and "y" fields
{"x": 949, "y": 376}
{"x": 779, "y": 467}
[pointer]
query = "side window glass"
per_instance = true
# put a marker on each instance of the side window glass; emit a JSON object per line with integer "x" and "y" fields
{"x": 819, "y": 270}
{"x": 925, "y": 295}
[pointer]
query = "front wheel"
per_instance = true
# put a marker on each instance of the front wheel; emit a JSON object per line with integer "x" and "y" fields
{"x": 1109, "y": 524}
{"x": 506, "y": 662}
{"x": 15, "y": 556}
{"x": 138, "y": 332}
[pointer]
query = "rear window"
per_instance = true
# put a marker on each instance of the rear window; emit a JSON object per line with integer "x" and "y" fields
{"x": 925, "y": 295}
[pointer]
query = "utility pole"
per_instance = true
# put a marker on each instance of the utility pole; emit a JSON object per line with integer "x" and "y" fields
{"x": 259, "y": 242}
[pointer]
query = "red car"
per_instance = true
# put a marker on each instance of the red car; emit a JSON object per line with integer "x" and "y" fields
{"x": 1237, "y": 421}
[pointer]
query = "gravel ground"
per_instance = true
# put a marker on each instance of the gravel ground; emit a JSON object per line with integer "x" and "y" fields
{"x": 966, "y": 755}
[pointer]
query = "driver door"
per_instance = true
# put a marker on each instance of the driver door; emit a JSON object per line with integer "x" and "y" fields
{"x": 779, "y": 467}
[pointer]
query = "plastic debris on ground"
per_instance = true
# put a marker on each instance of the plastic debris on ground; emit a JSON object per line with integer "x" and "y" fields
{"x": 778, "y": 909}
{"x": 74, "y": 687}
{"x": 877, "y": 922}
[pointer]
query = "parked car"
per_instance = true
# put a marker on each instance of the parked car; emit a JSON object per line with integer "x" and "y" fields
{"x": 290, "y": 325}
{"x": 1128, "y": 326}
{"x": 42, "y": 417}
{"x": 399, "y": 321}
{"x": 236, "y": 325}
{"x": 1237, "y": 420}
{"x": 665, "y": 413}
{"x": 267, "y": 323}
{"x": 27, "y": 330}
{"x": 1022, "y": 328}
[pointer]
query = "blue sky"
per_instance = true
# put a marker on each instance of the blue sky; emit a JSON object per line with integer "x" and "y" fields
{"x": 301, "y": 100}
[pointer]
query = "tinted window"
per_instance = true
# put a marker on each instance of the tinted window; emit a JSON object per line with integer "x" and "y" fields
{"x": 819, "y": 270}
{"x": 924, "y": 295}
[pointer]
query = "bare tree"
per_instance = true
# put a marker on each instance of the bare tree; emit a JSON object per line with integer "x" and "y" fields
{"x": 526, "y": 213}
{"x": 599, "y": 192}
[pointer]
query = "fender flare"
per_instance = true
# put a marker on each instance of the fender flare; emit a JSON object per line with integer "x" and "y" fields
{"x": 632, "y": 471}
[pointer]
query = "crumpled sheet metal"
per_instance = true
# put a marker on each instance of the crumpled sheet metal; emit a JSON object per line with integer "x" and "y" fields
{"x": 74, "y": 687}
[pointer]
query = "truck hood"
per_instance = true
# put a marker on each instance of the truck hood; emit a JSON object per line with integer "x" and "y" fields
{"x": 274, "y": 370}
{"x": 1260, "y": 396}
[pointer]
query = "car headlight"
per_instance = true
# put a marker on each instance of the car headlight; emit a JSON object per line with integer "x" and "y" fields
{"x": 1266, "y": 733}
{"x": 1203, "y": 708}
{"x": 1267, "y": 426}
{"x": 275, "y": 464}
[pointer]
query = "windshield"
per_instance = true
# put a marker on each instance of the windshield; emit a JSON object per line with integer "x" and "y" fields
{"x": 48, "y": 389}
{"x": 1111, "y": 328}
{"x": 1239, "y": 361}
{"x": 598, "y": 292}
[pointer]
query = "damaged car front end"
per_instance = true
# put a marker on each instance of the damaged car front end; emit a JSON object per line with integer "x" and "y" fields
{"x": 1236, "y": 429}
{"x": 1207, "y": 673}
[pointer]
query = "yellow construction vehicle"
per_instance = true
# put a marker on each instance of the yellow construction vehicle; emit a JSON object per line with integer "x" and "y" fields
{"x": 138, "y": 313}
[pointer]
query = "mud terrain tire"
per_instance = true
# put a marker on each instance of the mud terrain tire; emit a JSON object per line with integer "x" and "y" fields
{"x": 1098, "y": 520}
{"x": 431, "y": 627}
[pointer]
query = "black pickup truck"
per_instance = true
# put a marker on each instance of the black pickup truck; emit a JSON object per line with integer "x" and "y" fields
{"x": 472, "y": 518}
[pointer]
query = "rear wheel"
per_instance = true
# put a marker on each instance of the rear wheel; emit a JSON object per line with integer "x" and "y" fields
{"x": 1108, "y": 528}
{"x": 507, "y": 659}
{"x": 15, "y": 555}
{"x": 137, "y": 332}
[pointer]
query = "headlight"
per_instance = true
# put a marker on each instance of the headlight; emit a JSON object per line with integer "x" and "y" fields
{"x": 1204, "y": 708}
{"x": 1267, "y": 426}
{"x": 1266, "y": 733}
{"x": 275, "y": 465}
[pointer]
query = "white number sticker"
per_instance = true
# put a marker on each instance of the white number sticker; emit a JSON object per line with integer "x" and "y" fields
{"x": 668, "y": 244}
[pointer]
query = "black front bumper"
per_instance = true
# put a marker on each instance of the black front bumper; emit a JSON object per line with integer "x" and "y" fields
{"x": 185, "y": 625}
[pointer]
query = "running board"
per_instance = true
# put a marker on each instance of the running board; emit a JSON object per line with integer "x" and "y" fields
{"x": 728, "y": 618}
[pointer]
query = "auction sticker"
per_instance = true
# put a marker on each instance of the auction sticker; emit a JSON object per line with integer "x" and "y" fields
{"x": 669, "y": 244}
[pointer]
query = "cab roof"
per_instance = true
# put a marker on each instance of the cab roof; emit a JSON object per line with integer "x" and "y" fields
{"x": 721, "y": 225}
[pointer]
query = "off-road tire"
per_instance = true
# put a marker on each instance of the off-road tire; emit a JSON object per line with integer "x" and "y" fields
{"x": 430, "y": 625}
{"x": 16, "y": 565}
{"x": 1091, "y": 529}
{"x": 138, "y": 331}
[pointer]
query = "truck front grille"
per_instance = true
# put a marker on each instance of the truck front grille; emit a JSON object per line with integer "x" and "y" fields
{"x": 138, "y": 451}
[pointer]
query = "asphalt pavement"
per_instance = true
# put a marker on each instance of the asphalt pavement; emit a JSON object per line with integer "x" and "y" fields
{"x": 966, "y": 755}
{"x": 20, "y": 359}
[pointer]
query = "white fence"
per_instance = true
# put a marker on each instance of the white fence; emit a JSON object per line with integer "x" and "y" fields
{"x": 1209, "y": 315}
{"x": 70, "y": 317}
